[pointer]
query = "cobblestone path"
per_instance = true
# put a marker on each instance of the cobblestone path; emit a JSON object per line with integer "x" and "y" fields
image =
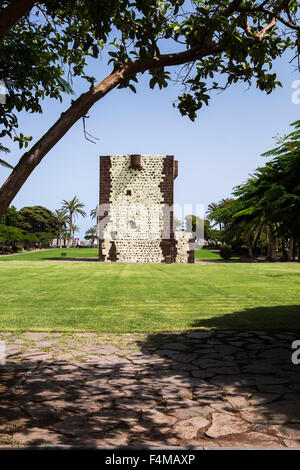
{"x": 197, "y": 389}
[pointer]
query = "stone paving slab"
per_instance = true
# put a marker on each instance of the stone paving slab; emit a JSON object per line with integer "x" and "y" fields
{"x": 200, "y": 389}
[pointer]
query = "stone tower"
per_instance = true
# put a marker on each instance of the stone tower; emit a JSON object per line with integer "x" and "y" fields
{"x": 135, "y": 214}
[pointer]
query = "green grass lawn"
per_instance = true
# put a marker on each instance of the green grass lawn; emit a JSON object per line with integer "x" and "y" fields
{"x": 54, "y": 253}
{"x": 66, "y": 296}
{"x": 207, "y": 254}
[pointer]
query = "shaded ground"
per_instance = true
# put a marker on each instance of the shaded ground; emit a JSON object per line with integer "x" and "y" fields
{"x": 201, "y": 388}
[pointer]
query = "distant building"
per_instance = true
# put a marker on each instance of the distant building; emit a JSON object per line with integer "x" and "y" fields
{"x": 135, "y": 214}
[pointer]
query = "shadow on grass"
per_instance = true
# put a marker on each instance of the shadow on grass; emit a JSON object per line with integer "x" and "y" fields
{"x": 70, "y": 259}
{"x": 231, "y": 260}
{"x": 278, "y": 316}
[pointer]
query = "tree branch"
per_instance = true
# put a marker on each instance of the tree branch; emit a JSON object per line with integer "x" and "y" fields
{"x": 289, "y": 24}
{"x": 12, "y": 14}
{"x": 80, "y": 108}
{"x": 232, "y": 7}
{"x": 273, "y": 13}
{"x": 264, "y": 31}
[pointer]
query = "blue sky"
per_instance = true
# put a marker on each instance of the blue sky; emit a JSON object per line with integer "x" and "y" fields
{"x": 215, "y": 153}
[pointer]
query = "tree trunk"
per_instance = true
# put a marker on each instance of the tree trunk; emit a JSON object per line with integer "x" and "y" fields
{"x": 250, "y": 248}
{"x": 71, "y": 228}
{"x": 12, "y": 14}
{"x": 298, "y": 250}
{"x": 80, "y": 108}
{"x": 271, "y": 250}
{"x": 284, "y": 255}
{"x": 294, "y": 250}
{"x": 60, "y": 240}
{"x": 290, "y": 251}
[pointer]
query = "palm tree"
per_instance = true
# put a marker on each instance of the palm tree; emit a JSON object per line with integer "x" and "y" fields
{"x": 93, "y": 212}
{"x": 61, "y": 221}
{"x": 215, "y": 213}
{"x": 65, "y": 236}
{"x": 73, "y": 207}
{"x": 75, "y": 228}
{"x": 91, "y": 234}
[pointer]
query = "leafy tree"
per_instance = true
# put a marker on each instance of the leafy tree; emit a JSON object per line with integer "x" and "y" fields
{"x": 11, "y": 217}
{"x": 176, "y": 224}
{"x": 215, "y": 236}
{"x": 35, "y": 224}
{"x": 44, "y": 40}
{"x": 2, "y": 233}
{"x": 44, "y": 239}
{"x": 11, "y": 13}
{"x": 10, "y": 235}
{"x": 267, "y": 204}
{"x": 195, "y": 225}
{"x": 38, "y": 219}
{"x": 216, "y": 43}
{"x": 30, "y": 239}
{"x": 200, "y": 228}
{"x": 210, "y": 234}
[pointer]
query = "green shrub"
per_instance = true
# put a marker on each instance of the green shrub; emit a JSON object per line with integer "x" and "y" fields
{"x": 225, "y": 251}
{"x": 243, "y": 251}
{"x": 16, "y": 249}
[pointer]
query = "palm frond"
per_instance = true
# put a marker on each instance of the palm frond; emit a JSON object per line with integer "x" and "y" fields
{"x": 66, "y": 87}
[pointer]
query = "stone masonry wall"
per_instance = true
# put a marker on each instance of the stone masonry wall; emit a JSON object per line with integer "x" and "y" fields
{"x": 185, "y": 248}
{"x": 138, "y": 189}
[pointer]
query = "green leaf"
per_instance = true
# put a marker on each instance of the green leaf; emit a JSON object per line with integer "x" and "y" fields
{"x": 132, "y": 87}
{"x": 5, "y": 164}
